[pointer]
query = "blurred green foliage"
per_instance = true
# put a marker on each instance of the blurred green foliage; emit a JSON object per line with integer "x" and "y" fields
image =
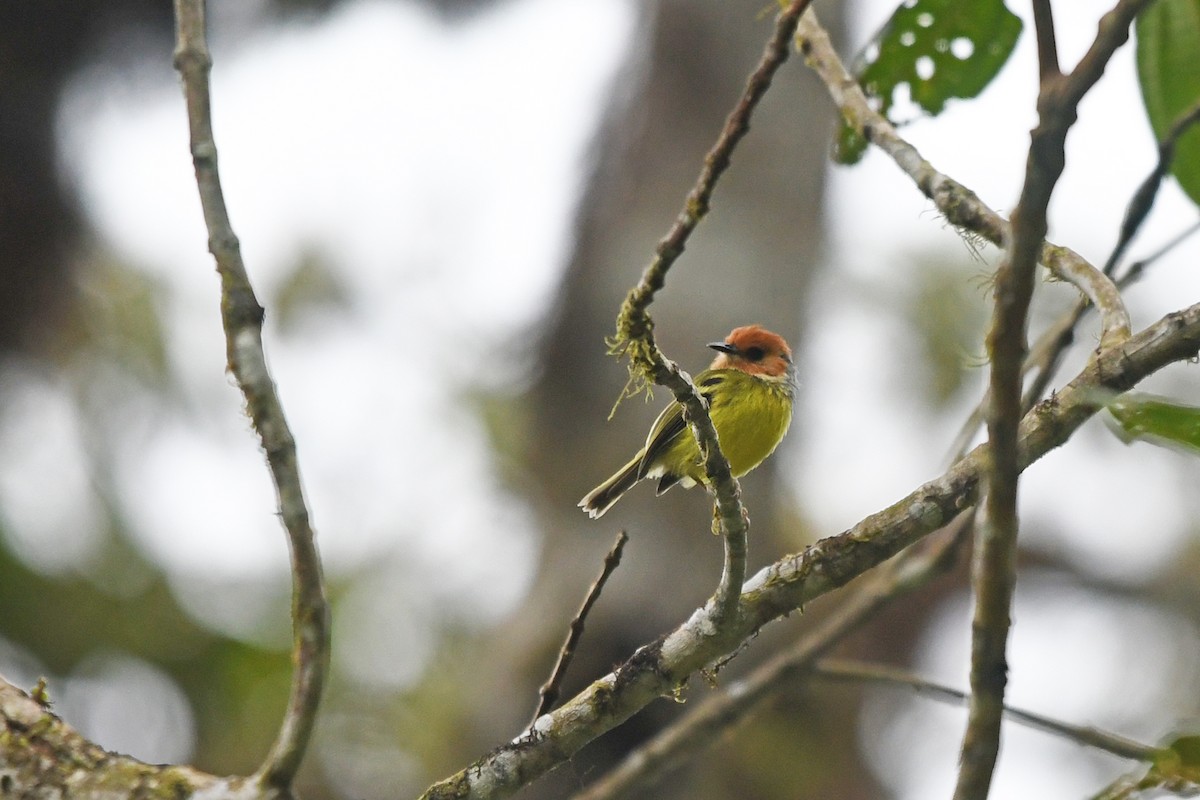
{"x": 947, "y": 315}
{"x": 312, "y": 284}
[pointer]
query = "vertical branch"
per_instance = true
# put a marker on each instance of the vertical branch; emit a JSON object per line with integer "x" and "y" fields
{"x": 242, "y": 319}
{"x": 1047, "y": 42}
{"x": 994, "y": 569}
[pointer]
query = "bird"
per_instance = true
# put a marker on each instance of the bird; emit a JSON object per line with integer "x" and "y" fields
{"x": 749, "y": 387}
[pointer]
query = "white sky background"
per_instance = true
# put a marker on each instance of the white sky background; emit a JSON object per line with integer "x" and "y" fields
{"x": 437, "y": 167}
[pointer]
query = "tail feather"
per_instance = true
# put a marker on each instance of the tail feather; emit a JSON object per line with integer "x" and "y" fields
{"x": 601, "y": 499}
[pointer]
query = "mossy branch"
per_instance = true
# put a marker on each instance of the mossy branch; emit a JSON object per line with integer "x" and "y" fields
{"x": 44, "y": 758}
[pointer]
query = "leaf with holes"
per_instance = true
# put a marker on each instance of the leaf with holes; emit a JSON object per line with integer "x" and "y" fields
{"x": 1168, "y": 61}
{"x": 938, "y": 49}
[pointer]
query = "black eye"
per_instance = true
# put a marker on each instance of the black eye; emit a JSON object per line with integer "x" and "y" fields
{"x": 754, "y": 353}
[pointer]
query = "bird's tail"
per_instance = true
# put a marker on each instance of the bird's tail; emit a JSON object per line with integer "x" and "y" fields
{"x": 601, "y": 499}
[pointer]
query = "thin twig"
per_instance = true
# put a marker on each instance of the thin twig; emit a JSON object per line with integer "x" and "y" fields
{"x": 994, "y": 571}
{"x": 242, "y": 318}
{"x": 1024, "y": 243}
{"x": 1138, "y": 267}
{"x": 549, "y": 690}
{"x": 1047, "y": 353}
{"x": 1143, "y": 199}
{"x": 1045, "y": 356}
{"x": 1112, "y": 34}
{"x": 687, "y": 739}
{"x": 841, "y": 670}
{"x": 658, "y": 668}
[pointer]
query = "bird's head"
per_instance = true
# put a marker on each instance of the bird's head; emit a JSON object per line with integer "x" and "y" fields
{"x": 754, "y": 349}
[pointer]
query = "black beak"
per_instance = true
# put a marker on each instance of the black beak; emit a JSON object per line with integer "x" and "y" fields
{"x": 723, "y": 347}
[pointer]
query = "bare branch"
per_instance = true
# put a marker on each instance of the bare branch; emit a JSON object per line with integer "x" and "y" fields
{"x": 550, "y": 689}
{"x": 697, "y": 731}
{"x": 994, "y": 572}
{"x": 1138, "y": 267}
{"x": 1143, "y": 198}
{"x": 1112, "y": 34}
{"x": 659, "y": 668}
{"x": 242, "y": 319}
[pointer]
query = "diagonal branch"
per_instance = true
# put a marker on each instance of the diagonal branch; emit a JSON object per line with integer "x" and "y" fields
{"x": 646, "y": 766}
{"x": 549, "y": 691}
{"x": 964, "y": 209}
{"x": 659, "y": 668}
{"x": 1143, "y": 198}
{"x": 242, "y": 319}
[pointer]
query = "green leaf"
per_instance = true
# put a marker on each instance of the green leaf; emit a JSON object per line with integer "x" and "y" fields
{"x": 1168, "y": 62}
{"x": 1157, "y": 420}
{"x": 938, "y": 49}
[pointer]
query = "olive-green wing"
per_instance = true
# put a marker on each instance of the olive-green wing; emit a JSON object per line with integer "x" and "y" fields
{"x": 670, "y": 425}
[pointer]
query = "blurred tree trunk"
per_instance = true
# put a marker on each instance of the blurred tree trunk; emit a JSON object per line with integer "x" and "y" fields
{"x": 41, "y": 47}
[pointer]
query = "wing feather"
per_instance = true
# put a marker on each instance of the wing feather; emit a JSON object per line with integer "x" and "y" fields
{"x": 670, "y": 425}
